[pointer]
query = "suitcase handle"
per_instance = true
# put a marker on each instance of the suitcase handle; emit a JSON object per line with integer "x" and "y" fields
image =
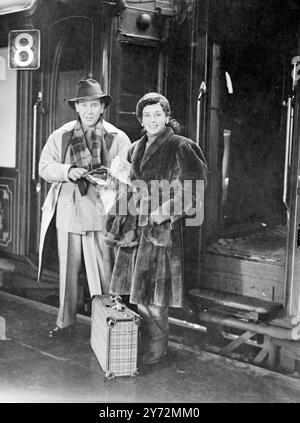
{"x": 111, "y": 322}
{"x": 119, "y": 305}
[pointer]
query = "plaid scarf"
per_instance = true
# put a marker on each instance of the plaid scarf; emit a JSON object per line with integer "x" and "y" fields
{"x": 95, "y": 155}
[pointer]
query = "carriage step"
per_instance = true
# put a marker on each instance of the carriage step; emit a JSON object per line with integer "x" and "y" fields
{"x": 252, "y": 307}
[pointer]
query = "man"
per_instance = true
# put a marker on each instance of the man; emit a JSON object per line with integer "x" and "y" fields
{"x": 70, "y": 153}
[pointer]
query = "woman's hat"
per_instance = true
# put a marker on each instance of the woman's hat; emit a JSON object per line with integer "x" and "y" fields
{"x": 151, "y": 98}
{"x": 89, "y": 89}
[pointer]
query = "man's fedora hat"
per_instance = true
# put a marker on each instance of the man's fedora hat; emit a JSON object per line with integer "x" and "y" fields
{"x": 89, "y": 89}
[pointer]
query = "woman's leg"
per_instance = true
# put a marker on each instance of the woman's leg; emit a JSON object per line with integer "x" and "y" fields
{"x": 155, "y": 331}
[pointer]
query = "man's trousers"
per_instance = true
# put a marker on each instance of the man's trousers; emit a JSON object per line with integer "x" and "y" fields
{"x": 98, "y": 260}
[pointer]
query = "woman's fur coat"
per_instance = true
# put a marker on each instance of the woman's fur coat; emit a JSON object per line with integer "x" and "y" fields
{"x": 152, "y": 271}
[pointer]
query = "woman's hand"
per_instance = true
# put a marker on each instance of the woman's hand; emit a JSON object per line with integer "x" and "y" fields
{"x": 158, "y": 218}
{"x": 76, "y": 173}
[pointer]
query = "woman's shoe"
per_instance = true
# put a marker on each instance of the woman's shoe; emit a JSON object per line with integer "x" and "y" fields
{"x": 59, "y": 332}
{"x": 150, "y": 358}
{"x": 155, "y": 352}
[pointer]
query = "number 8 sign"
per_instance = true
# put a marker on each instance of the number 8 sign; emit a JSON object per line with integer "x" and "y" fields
{"x": 24, "y": 49}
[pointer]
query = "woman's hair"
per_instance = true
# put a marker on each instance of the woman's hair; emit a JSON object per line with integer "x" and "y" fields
{"x": 156, "y": 98}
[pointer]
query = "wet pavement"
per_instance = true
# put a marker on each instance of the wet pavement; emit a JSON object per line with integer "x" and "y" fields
{"x": 34, "y": 368}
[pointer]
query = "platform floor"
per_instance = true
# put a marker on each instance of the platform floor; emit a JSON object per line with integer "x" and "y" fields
{"x": 34, "y": 368}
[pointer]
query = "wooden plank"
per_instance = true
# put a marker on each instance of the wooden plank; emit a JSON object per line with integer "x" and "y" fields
{"x": 253, "y": 288}
{"x": 267, "y": 350}
{"x": 236, "y": 301}
{"x": 273, "y": 351}
{"x": 253, "y": 279}
{"x": 217, "y": 308}
{"x": 261, "y": 356}
{"x": 274, "y": 272}
{"x": 237, "y": 342}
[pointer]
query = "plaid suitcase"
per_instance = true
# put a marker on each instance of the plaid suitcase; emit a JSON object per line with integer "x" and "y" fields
{"x": 114, "y": 336}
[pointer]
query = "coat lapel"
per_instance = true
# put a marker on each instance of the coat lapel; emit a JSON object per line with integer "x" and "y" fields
{"x": 137, "y": 156}
{"x": 157, "y": 143}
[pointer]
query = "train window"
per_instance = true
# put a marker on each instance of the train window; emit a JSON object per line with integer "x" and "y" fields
{"x": 15, "y": 6}
{"x": 8, "y": 112}
{"x": 70, "y": 59}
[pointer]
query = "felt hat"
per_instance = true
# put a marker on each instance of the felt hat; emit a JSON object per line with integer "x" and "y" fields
{"x": 89, "y": 89}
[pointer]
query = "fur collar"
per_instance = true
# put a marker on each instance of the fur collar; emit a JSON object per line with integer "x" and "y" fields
{"x": 140, "y": 157}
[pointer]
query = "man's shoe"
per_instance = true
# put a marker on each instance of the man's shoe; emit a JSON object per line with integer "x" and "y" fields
{"x": 58, "y": 332}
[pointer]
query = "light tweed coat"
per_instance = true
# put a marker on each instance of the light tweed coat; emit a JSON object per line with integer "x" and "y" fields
{"x": 53, "y": 170}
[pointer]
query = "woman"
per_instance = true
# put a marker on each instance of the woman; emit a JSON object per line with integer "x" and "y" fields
{"x": 149, "y": 263}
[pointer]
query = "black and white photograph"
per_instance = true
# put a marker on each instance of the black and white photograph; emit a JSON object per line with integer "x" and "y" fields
{"x": 149, "y": 205}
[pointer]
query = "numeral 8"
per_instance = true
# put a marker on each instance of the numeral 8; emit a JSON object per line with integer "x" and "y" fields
{"x": 24, "y": 54}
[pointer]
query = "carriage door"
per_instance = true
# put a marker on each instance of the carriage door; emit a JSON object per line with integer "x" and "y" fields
{"x": 68, "y": 58}
{"x": 9, "y": 169}
{"x": 291, "y": 196}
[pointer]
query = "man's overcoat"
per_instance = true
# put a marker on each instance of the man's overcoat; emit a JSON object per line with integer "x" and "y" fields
{"x": 52, "y": 168}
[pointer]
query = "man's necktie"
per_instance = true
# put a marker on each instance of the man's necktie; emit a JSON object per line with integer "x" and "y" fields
{"x": 88, "y": 136}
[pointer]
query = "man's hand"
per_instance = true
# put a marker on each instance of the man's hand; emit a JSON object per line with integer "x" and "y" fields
{"x": 76, "y": 173}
